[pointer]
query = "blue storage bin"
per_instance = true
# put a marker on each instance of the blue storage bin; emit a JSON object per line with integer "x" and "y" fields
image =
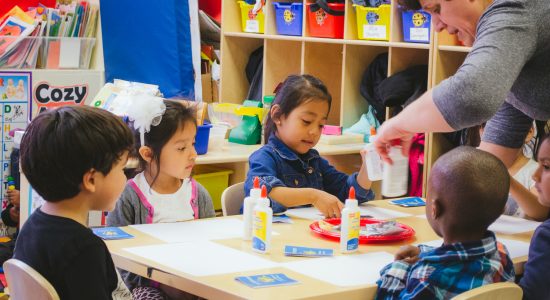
{"x": 288, "y": 17}
{"x": 201, "y": 140}
{"x": 416, "y": 26}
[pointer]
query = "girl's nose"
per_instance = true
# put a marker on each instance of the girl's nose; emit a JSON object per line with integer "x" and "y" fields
{"x": 315, "y": 130}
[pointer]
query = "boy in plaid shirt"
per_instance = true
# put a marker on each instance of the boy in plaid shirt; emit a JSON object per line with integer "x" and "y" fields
{"x": 467, "y": 191}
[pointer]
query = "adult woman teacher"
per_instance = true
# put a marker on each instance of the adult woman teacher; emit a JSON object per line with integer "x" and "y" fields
{"x": 505, "y": 78}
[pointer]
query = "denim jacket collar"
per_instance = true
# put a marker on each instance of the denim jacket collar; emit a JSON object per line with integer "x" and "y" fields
{"x": 286, "y": 153}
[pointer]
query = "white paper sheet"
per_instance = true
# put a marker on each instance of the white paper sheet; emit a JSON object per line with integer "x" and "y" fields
{"x": 512, "y": 225}
{"x": 366, "y": 210}
{"x": 508, "y": 224}
{"x": 515, "y": 248}
{"x": 434, "y": 243}
{"x": 381, "y": 213}
{"x": 345, "y": 270}
{"x": 305, "y": 213}
{"x": 202, "y": 258}
{"x": 193, "y": 230}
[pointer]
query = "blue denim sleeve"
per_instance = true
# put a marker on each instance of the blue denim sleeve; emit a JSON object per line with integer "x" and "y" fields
{"x": 362, "y": 195}
{"x": 263, "y": 165}
{"x": 338, "y": 183}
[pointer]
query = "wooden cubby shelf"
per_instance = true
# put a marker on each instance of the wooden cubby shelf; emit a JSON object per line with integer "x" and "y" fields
{"x": 339, "y": 63}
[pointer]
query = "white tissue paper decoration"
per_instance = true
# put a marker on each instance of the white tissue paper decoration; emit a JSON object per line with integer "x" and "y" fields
{"x": 125, "y": 93}
{"x": 216, "y": 70}
{"x": 137, "y": 87}
{"x": 145, "y": 111}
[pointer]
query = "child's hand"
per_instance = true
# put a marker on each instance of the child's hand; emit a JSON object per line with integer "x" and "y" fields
{"x": 327, "y": 204}
{"x": 363, "y": 176}
{"x": 363, "y": 153}
{"x": 13, "y": 197}
{"x": 14, "y": 214}
{"x": 408, "y": 254}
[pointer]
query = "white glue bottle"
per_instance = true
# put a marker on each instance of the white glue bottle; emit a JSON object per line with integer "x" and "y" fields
{"x": 248, "y": 209}
{"x": 373, "y": 161}
{"x": 395, "y": 177}
{"x": 263, "y": 218}
{"x": 350, "y": 226}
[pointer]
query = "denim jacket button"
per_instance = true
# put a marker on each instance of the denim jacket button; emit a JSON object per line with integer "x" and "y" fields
{"x": 310, "y": 170}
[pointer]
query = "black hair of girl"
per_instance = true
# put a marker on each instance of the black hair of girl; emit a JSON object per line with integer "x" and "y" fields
{"x": 174, "y": 119}
{"x": 295, "y": 91}
{"x": 543, "y": 133}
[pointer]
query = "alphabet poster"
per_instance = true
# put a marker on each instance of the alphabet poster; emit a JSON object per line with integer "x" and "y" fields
{"x": 15, "y": 102}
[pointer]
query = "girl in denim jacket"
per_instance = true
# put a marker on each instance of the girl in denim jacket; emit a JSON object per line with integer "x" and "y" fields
{"x": 293, "y": 172}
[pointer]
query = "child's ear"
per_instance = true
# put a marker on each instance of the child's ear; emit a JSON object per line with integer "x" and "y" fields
{"x": 437, "y": 209}
{"x": 88, "y": 181}
{"x": 275, "y": 113}
{"x": 146, "y": 153}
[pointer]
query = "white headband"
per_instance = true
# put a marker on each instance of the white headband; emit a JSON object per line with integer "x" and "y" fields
{"x": 145, "y": 111}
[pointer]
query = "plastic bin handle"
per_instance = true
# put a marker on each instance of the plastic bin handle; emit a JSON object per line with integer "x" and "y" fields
{"x": 324, "y": 5}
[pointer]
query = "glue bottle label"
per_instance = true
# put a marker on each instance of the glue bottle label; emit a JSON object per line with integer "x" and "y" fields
{"x": 353, "y": 230}
{"x": 260, "y": 229}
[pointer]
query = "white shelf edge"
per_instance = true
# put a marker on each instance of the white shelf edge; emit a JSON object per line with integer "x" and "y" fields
{"x": 328, "y": 40}
{"x": 454, "y": 48}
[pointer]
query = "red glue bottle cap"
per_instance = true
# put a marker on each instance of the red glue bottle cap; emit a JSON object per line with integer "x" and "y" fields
{"x": 351, "y": 193}
{"x": 264, "y": 192}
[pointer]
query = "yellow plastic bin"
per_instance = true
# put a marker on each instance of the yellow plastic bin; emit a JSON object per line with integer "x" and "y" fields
{"x": 373, "y": 23}
{"x": 215, "y": 180}
{"x": 250, "y": 22}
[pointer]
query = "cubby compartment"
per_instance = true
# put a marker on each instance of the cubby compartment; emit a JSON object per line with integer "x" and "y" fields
{"x": 356, "y": 60}
{"x": 403, "y": 58}
{"x": 324, "y": 61}
{"x": 446, "y": 63}
{"x": 282, "y": 58}
{"x": 235, "y": 55}
{"x": 446, "y": 39}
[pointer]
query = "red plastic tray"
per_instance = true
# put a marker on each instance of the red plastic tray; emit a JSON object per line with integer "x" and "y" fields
{"x": 408, "y": 233}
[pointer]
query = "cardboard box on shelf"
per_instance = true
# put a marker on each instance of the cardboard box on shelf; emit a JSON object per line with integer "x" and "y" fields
{"x": 206, "y": 80}
{"x": 209, "y": 88}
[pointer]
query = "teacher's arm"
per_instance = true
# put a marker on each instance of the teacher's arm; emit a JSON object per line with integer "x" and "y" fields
{"x": 504, "y": 43}
{"x": 421, "y": 116}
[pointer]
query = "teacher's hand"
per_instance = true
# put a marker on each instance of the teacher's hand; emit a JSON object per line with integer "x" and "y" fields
{"x": 391, "y": 134}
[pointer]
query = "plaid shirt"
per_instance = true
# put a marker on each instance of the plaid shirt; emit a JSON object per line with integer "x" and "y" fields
{"x": 444, "y": 272}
